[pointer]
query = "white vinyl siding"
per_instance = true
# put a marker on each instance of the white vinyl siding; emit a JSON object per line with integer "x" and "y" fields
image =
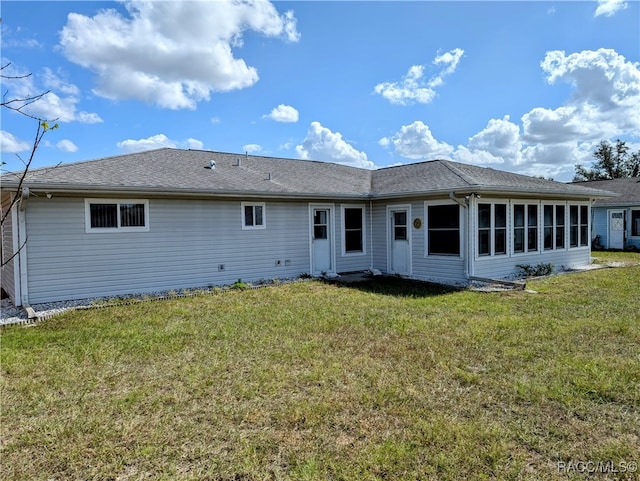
{"x": 9, "y": 240}
{"x": 192, "y": 243}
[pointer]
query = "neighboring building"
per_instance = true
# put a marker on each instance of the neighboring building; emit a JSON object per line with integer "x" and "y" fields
{"x": 171, "y": 219}
{"x": 616, "y": 220}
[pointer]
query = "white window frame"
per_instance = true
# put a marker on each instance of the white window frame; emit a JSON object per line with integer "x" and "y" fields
{"x": 554, "y": 226}
{"x": 579, "y": 205}
{"x": 492, "y": 229}
{"x": 362, "y": 252}
{"x": 264, "y": 215}
{"x": 119, "y": 228}
{"x": 631, "y": 211}
{"x": 527, "y": 226}
{"x": 461, "y": 233}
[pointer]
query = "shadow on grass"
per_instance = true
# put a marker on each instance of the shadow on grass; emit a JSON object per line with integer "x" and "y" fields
{"x": 397, "y": 286}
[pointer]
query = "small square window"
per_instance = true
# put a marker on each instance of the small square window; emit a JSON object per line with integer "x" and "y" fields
{"x": 253, "y": 215}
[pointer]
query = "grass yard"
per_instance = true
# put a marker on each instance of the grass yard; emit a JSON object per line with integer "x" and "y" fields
{"x": 385, "y": 381}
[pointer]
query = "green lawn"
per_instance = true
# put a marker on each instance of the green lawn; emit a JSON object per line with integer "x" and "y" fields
{"x": 311, "y": 381}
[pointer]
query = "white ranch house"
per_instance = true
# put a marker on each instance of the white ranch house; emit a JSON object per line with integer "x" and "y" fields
{"x": 173, "y": 219}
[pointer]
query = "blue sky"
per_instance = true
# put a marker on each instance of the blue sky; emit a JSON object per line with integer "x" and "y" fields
{"x": 529, "y": 87}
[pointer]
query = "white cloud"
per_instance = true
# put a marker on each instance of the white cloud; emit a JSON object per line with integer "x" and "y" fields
{"x": 251, "y": 148}
{"x": 12, "y": 144}
{"x": 283, "y": 113}
{"x": 15, "y": 39}
{"x": 66, "y": 145}
{"x": 60, "y": 103}
{"x": 498, "y": 143}
{"x": 416, "y": 142}
{"x": 323, "y": 144}
{"x": 609, "y": 8}
{"x": 550, "y": 141}
{"x": 413, "y": 87}
{"x": 449, "y": 61}
{"x": 156, "y": 142}
{"x": 172, "y": 54}
{"x": 194, "y": 144}
{"x": 604, "y": 102}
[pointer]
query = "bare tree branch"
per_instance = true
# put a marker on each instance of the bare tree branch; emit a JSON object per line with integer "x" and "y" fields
{"x": 18, "y": 105}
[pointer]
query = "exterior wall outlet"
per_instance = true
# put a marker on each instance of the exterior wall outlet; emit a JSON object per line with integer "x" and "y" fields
{"x": 221, "y": 267}
{"x": 278, "y": 263}
{"x": 287, "y": 262}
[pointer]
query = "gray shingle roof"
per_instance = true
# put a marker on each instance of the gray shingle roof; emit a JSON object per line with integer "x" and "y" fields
{"x": 174, "y": 171}
{"x": 628, "y": 190}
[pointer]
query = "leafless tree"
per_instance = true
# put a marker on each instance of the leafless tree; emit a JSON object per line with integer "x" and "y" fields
{"x": 20, "y": 105}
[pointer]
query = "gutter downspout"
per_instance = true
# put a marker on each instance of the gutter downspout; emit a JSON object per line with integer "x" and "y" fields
{"x": 370, "y": 235}
{"x": 22, "y": 253}
{"x": 468, "y": 266}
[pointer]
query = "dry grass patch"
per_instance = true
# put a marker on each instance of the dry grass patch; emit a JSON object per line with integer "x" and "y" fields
{"x": 391, "y": 380}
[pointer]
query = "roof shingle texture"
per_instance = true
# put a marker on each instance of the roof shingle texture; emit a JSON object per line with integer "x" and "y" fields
{"x": 628, "y": 190}
{"x": 185, "y": 171}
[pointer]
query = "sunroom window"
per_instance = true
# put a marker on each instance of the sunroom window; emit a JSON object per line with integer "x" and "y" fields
{"x": 553, "y": 227}
{"x": 578, "y": 225}
{"x": 492, "y": 229}
{"x": 525, "y": 228}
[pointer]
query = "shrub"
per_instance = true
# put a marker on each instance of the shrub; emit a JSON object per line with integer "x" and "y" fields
{"x": 239, "y": 284}
{"x": 542, "y": 269}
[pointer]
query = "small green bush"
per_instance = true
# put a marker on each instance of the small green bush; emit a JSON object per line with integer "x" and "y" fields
{"x": 239, "y": 284}
{"x": 542, "y": 269}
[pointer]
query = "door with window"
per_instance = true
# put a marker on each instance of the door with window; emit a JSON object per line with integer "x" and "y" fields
{"x": 616, "y": 229}
{"x": 399, "y": 239}
{"x": 321, "y": 240}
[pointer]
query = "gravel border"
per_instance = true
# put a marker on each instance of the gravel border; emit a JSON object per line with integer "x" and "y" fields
{"x": 10, "y": 314}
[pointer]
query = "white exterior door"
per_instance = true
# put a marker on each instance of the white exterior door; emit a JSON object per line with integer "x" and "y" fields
{"x": 399, "y": 241}
{"x": 321, "y": 240}
{"x": 616, "y": 229}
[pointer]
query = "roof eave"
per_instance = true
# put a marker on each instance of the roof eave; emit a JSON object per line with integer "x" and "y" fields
{"x": 498, "y": 191}
{"x": 92, "y": 190}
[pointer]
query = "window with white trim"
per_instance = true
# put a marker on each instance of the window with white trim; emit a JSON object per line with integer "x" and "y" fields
{"x": 635, "y": 223}
{"x": 253, "y": 215}
{"x": 443, "y": 228}
{"x": 578, "y": 225}
{"x": 492, "y": 229}
{"x": 553, "y": 221}
{"x": 107, "y": 215}
{"x": 525, "y": 228}
{"x": 353, "y": 229}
